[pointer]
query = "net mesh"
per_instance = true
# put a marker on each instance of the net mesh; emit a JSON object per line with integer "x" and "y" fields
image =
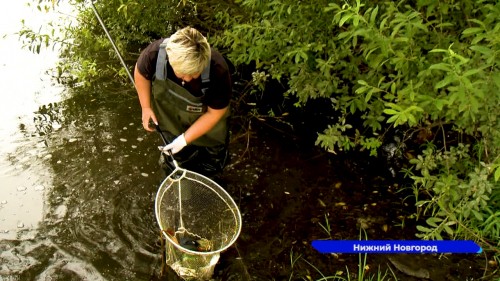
{"x": 199, "y": 219}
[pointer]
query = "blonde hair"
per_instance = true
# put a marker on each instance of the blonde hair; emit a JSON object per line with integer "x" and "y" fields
{"x": 188, "y": 51}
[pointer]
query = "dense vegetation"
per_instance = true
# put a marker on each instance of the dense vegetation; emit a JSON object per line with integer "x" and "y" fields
{"x": 426, "y": 70}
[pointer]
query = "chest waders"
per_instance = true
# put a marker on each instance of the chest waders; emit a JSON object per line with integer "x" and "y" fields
{"x": 177, "y": 109}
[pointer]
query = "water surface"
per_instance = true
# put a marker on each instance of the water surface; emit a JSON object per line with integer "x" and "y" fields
{"x": 25, "y": 86}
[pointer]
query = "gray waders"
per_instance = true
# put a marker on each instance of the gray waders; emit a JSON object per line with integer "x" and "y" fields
{"x": 177, "y": 109}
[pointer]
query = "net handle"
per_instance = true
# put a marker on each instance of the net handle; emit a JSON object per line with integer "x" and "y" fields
{"x": 169, "y": 154}
{"x": 165, "y": 141}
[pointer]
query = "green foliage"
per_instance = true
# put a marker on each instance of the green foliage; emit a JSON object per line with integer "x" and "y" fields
{"x": 464, "y": 201}
{"x": 87, "y": 52}
{"x": 409, "y": 64}
{"x": 377, "y": 58}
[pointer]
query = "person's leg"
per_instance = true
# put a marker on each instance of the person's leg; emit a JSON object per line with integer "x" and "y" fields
{"x": 166, "y": 166}
{"x": 183, "y": 158}
{"x": 209, "y": 161}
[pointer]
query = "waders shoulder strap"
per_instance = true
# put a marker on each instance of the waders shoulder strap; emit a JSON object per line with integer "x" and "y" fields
{"x": 161, "y": 61}
{"x": 205, "y": 78}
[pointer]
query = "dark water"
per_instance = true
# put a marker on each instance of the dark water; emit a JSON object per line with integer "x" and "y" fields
{"x": 98, "y": 221}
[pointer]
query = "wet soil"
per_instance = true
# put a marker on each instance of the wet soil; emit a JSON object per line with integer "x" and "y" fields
{"x": 291, "y": 193}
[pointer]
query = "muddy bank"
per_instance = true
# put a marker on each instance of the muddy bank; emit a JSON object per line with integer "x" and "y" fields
{"x": 291, "y": 193}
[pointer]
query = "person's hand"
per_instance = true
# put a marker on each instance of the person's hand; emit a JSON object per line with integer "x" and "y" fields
{"x": 147, "y": 116}
{"x": 177, "y": 145}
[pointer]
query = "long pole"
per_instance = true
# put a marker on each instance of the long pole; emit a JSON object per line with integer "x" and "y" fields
{"x": 112, "y": 42}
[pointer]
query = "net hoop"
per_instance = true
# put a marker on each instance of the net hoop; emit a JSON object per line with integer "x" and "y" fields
{"x": 162, "y": 191}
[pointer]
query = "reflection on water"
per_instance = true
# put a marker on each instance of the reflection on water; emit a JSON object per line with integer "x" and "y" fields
{"x": 25, "y": 86}
{"x": 101, "y": 206}
{"x": 99, "y": 221}
{"x": 78, "y": 176}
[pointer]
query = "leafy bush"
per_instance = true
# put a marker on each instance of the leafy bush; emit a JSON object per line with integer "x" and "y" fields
{"x": 428, "y": 67}
{"x": 131, "y": 24}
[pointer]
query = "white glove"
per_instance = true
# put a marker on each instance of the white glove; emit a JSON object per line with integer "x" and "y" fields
{"x": 177, "y": 145}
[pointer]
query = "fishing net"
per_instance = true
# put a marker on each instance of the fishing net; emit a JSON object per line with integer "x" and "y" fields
{"x": 198, "y": 219}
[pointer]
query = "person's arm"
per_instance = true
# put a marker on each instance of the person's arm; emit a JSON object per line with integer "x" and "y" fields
{"x": 200, "y": 127}
{"x": 204, "y": 124}
{"x": 143, "y": 88}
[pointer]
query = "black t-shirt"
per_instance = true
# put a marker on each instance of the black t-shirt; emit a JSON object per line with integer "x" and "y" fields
{"x": 220, "y": 79}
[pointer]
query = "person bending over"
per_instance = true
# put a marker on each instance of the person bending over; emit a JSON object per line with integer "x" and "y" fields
{"x": 184, "y": 88}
